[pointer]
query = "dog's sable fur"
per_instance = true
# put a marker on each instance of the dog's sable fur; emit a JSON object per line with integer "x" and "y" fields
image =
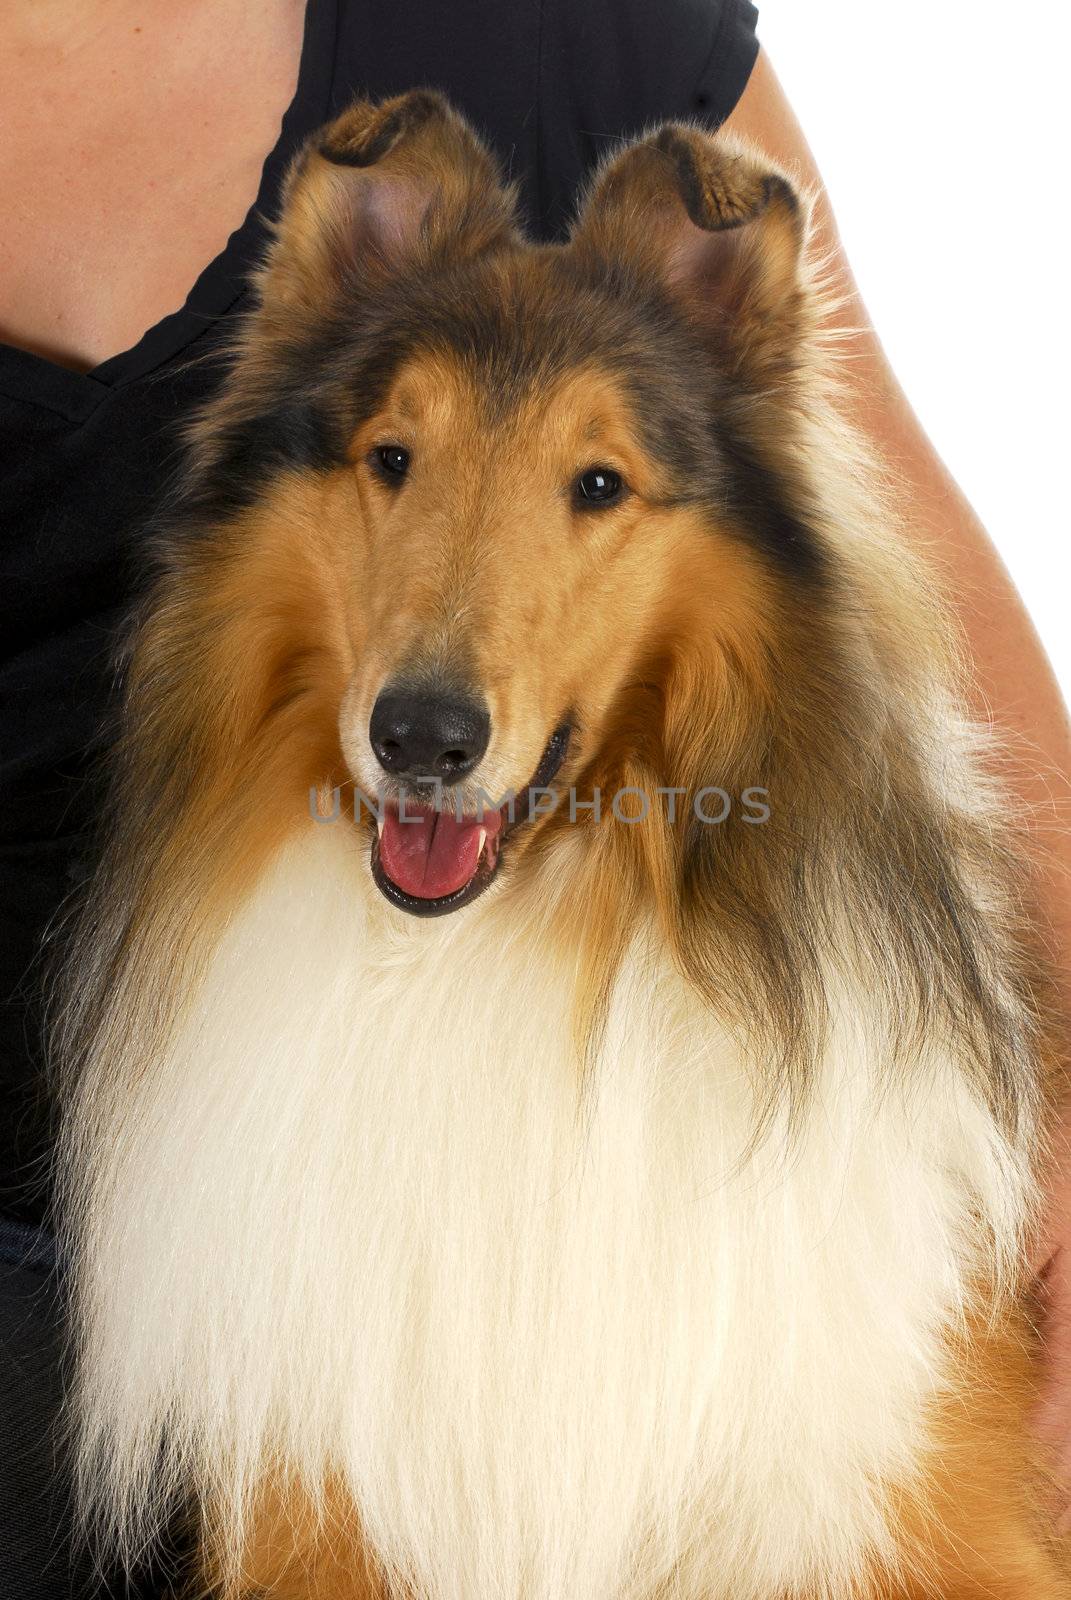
{"x": 652, "y": 1226}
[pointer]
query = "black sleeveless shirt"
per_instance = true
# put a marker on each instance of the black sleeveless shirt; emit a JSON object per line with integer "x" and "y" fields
{"x": 84, "y": 457}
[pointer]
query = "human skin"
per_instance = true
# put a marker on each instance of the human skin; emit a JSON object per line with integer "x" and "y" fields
{"x": 121, "y": 115}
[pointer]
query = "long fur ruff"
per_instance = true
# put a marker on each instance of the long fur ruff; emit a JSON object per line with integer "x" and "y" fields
{"x": 381, "y": 1233}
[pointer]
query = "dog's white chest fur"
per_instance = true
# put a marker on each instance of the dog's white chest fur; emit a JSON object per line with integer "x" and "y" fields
{"x": 560, "y": 1345}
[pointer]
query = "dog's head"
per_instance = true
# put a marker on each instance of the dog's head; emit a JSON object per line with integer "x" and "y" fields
{"x": 472, "y": 516}
{"x": 534, "y": 490}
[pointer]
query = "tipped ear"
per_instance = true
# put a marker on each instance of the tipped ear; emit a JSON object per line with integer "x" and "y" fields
{"x": 716, "y": 225}
{"x": 380, "y": 189}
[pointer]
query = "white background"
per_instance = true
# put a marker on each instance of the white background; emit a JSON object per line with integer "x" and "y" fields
{"x": 941, "y": 130}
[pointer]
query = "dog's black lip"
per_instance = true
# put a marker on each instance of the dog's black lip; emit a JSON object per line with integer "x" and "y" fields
{"x": 552, "y": 758}
{"x": 549, "y": 765}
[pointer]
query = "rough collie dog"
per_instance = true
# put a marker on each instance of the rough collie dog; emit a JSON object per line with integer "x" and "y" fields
{"x": 555, "y": 1067}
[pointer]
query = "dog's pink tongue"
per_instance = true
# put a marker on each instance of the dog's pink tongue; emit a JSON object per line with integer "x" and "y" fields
{"x": 430, "y": 853}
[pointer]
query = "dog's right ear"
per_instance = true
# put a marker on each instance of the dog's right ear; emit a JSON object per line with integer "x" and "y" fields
{"x": 381, "y": 189}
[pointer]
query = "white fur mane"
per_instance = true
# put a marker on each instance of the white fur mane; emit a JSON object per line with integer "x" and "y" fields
{"x": 360, "y": 1218}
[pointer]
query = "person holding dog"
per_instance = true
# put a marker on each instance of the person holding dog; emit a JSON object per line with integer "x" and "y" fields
{"x": 118, "y": 202}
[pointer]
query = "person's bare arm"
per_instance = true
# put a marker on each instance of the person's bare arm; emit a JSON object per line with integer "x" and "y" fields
{"x": 1016, "y": 688}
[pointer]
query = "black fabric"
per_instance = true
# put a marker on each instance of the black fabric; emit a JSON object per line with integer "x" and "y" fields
{"x": 84, "y": 458}
{"x": 41, "y": 1555}
{"x": 38, "y": 1557}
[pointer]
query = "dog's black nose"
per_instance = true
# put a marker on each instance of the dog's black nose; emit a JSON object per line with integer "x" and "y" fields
{"x": 427, "y": 735}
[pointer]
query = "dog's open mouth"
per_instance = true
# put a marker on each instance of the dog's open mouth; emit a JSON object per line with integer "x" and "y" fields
{"x": 428, "y": 861}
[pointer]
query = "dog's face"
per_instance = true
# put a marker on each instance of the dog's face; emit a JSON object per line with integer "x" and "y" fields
{"x": 504, "y": 575}
{"x": 537, "y": 502}
{"x": 529, "y": 535}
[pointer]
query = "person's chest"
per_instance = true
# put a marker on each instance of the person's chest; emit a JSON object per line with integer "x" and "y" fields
{"x": 131, "y": 146}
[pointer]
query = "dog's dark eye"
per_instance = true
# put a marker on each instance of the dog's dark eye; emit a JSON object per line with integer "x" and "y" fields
{"x": 392, "y": 460}
{"x": 598, "y": 486}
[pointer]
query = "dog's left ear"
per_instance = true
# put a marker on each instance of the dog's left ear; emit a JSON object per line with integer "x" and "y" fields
{"x": 716, "y": 226}
{"x": 383, "y": 187}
